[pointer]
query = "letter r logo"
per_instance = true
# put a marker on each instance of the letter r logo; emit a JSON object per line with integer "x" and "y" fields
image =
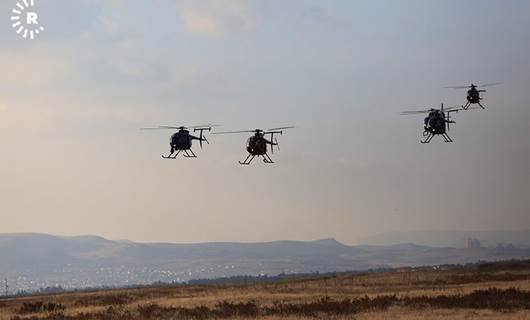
{"x": 31, "y": 18}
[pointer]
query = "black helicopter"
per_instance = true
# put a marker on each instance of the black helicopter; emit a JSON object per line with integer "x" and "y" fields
{"x": 182, "y": 139}
{"x": 473, "y": 94}
{"x": 436, "y": 123}
{"x": 257, "y": 144}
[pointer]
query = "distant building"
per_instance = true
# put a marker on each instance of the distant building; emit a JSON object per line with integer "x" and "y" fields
{"x": 473, "y": 243}
{"x": 404, "y": 269}
{"x": 505, "y": 247}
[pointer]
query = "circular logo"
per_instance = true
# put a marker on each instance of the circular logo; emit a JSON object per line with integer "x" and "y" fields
{"x": 25, "y": 20}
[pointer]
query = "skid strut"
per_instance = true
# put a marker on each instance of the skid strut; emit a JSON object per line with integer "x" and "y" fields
{"x": 250, "y": 157}
{"x": 189, "y": 154}
{"x": 186, "y": 153}
{"x": 248, "y": 160}
{"x": 447, "y": 138}
{"x": 267, "y": 159}
{"x": 171, "y": 155}
{"x": 428, "y": 137}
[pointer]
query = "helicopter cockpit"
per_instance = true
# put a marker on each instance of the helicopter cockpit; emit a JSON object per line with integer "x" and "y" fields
{"x": 256, "y": 145}
{"x": 435, "y": 122}
{"x": 181, "y": 140}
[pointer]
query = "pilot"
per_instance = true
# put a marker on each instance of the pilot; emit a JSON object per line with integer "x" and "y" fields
{"x": 472, "y": 95}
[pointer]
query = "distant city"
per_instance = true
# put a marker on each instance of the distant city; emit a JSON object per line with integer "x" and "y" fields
{"x": 33, "y": 262}
{"x": 74, "y": 277}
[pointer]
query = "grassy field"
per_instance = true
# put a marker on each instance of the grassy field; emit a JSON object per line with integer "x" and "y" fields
{"x": 490, "y": 291}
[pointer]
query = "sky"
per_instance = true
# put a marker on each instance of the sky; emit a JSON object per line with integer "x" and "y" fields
{"x": 73, "y": 160}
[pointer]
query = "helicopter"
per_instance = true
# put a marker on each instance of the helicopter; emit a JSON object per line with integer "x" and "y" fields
{"x": 436, "y": 123}
{"x": 473, "y": 94}
{"x": 257, "y": 144}
{"x": 181, "y": 140}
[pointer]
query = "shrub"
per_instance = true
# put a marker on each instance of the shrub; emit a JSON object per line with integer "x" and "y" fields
{"x": 39, "y": 306}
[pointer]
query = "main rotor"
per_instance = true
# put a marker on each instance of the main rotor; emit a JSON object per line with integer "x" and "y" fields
{"x": 207, "y": 127}
{"x": 432, "y": 109}
{"x": 471, "y": 86}
{"x": 258, "y": 131}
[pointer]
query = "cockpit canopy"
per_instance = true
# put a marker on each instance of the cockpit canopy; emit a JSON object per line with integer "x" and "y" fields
{"x": 250, "y": 141}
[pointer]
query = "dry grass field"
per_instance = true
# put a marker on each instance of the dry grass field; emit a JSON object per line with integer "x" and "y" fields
{"x": 496, "y": 291}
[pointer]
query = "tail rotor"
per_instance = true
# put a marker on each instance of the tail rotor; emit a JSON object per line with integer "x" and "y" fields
{"x": 201, "y": 135}
{"x": 274, "y": 140}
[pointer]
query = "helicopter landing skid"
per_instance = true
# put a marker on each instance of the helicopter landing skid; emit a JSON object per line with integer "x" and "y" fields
{"x": 186, "y": 153}
{"x": 248, "y": 160}
{"x": 189, "y": 154}
{"x": 469, "y": 105}
{"x": 447, "y": 138}
{"x": 251, "y": 157}
{"x": 267, "y": 159}
{"x": 171, "y": 155}
{"x": 429, "y": 136}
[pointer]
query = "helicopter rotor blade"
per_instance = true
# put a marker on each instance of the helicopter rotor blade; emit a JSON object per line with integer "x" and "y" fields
{"x": 408, "y": 113}
{"x": 469, "y": 86}
{"x": 159, "y": 128}
{"x": 449, "y": 109}
{"x": 444, "y": 109}
{"x": 404, "y": 113}
{"x": 254, "y": 130}
{"x": 230, "y": 132}
{"x": 281, "y": 128}
{"x": 456, "y": 87}
{"x": 164, "y": 128}
{"x": 171, "y": 127}
{"x": 204, "y": 126}
{"x": 490, "y": 84}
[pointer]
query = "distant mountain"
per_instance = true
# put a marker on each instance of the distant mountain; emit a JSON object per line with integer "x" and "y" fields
{"x": 32, "y": 261}
{"x": 450, "y": 238}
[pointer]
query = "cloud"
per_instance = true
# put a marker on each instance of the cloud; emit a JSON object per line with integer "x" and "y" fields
{"x": 33, "y": 69}
{"x": 321, "y": 15}
{"x": 200, "y": 23}
{"x": 215, "y": 18}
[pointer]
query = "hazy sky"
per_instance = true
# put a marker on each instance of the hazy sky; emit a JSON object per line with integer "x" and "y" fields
{"x": 74, "y": 162}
